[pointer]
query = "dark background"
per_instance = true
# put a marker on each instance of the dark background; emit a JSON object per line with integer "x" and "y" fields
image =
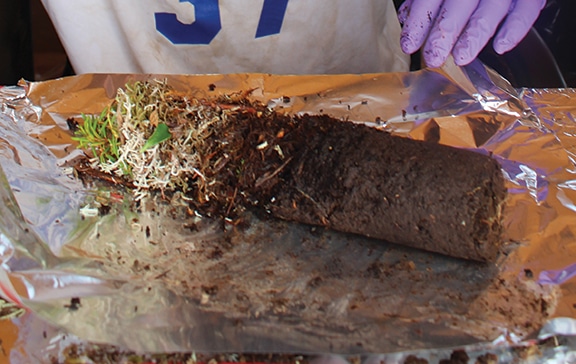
{"x": 545, "y": 58}
{"x": 29, "y": 45}
{"x": 30, "y": 48}
{"x": 557, "y": 27}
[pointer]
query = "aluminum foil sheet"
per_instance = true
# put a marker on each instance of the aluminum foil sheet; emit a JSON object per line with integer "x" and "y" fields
{"x": 163, "y": 281}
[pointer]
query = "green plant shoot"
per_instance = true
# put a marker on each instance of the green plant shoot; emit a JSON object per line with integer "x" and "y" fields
{"x": 160, "y": 134}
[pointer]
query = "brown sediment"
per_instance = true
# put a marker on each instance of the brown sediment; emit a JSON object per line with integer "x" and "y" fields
{"x": 356, "y": 179}
{"x": 349, "y": 177}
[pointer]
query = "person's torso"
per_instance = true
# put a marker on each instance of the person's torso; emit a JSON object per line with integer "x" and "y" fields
{"x": 229, "y": 36}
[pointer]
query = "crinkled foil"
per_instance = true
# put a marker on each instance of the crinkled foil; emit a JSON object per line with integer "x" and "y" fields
{"x": 162, "y": 281}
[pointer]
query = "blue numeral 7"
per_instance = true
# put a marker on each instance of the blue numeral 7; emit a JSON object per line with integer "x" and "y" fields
{"x": 271, "y": 17}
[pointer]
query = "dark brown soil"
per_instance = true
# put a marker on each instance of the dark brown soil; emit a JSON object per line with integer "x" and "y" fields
{"x": 110, "y": 354}
{"x": 351, "y": 178}
{"x": 457, "y": 357}
{"x": 412, "y": 359}
{"x": 361, "y": 180}
{"x": 357, "y": 179}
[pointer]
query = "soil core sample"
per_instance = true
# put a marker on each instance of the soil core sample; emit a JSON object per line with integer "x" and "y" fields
{"x": 226, "y": 154}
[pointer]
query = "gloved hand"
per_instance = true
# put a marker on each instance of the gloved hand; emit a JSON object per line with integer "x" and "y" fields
{"x": 463, "y": 27}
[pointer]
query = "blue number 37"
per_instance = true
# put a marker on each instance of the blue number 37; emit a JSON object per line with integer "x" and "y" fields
{"x": 207, "y": 22}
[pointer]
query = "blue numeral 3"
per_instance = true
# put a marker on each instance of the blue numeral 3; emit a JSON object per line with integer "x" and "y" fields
{"x": 207, "y": 24}
{"x": 202, "y": 31}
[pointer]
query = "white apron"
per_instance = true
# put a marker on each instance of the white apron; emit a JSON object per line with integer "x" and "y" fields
{"x": 229, "y": 36}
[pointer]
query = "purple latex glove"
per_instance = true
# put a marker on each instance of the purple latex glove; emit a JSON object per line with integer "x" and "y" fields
{"x": 463, "y": 27}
